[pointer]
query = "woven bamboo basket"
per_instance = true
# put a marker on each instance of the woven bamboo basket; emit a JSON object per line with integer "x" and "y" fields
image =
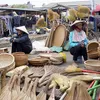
{"x": 59, "y": 36}
{"x": 6, "y": 61}
{"x": 92, "y": 50}
{"x": 92, "y": 65}
{"x": 38, "y": 61}
{"x": 20, "y": 58}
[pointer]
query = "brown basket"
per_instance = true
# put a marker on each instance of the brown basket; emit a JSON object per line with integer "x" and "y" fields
{"x": 38, "y": 61}
{"x": 92, "y": 65}
{"x": 20, "y": 58}
{"x": 92, "y": 50}
{"x": 6, "y": 61}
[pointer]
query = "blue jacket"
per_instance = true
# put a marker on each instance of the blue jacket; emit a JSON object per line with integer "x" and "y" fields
{"x": 72, "y": 43}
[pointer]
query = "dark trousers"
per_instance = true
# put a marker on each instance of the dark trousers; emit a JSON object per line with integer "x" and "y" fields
{"x": 78, "y": 51}
{"x": 18, "y": 47}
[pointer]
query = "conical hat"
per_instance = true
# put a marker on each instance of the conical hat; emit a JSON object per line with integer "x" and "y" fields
{"x": 77, "y": 21}
{"x": 22, "y": 28}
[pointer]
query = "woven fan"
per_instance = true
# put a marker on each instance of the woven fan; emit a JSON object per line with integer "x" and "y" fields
{"x": 41, "y": 23}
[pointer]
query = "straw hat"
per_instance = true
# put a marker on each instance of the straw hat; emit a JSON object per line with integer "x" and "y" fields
{"x": 22, "y": 28}
{"x": 78, "y": 21}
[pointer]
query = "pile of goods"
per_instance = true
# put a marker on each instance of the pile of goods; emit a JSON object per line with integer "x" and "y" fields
{"x": 47, "y": 58}
{"x": 51, "y": 82}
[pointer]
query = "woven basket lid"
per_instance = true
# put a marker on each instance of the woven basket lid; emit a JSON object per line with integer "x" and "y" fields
{"x": 6, "y": 60}
{"x": 92, "y": 63}
{"x": 48, "y": 55}
{"x": 59, "y": 36}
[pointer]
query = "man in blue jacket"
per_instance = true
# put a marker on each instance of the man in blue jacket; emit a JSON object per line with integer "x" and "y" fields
{"x": 21, "y": 42}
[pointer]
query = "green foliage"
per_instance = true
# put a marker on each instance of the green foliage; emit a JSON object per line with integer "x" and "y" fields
{"x": 19, "y": 6}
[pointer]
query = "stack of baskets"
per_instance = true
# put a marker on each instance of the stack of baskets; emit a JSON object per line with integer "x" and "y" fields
{"x": 92, "y": 50}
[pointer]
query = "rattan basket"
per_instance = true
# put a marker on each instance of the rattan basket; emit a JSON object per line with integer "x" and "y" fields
{"x": 92, "y": 50}
{"x": 92, "y": 65}
{"x": 38, "y": 61}
{"x": 6, "y": 61}
{"x": 20, "y": 58}
{"x": 59, "y": 36}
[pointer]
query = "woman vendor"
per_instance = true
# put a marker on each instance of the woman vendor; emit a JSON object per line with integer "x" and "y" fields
{"x": 78, "y": 41}
{"x": 21, "y": 42}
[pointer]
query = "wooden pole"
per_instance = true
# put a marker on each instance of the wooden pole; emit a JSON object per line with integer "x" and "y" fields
{"x": 3, "y": 78}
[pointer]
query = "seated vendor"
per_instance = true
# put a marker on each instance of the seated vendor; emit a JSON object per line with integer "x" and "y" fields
{"x": 78, "y": 41}
{"x": 21, "y": 42}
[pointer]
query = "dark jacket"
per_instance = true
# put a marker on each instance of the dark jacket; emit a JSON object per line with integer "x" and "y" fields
{"x": 24, "y": 41}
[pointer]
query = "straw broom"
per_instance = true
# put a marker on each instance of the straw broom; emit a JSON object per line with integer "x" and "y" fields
{"x": 6, "y": 92}
{"x": 52, "y": 96}
{"x": 73, "y": 12}
{"x": 55, "y": 16}
{"x": 33, "y": 93}
{"x": 82, "y": 93}
{"x": 83, "y": 9}
{"x": 43, "y": 94}
{"x": 28, "y": 92}
{"x": 81, "y": 15}
{"x": 50, "y": 14}
{"x": 71, "y": 93}
{"x": 23, "y": 91}
{"x": 16, "y": 87}
{"x": 41, "y": 23}
{"x": 49, "y": 69}
{"x": 86, "y": 78}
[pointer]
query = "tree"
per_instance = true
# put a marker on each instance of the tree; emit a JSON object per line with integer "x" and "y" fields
{"x": 19, "y": 6}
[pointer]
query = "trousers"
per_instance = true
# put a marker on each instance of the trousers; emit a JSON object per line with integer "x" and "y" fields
{"x": 18, "y": 47}
{"x": 78, "y": 51}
